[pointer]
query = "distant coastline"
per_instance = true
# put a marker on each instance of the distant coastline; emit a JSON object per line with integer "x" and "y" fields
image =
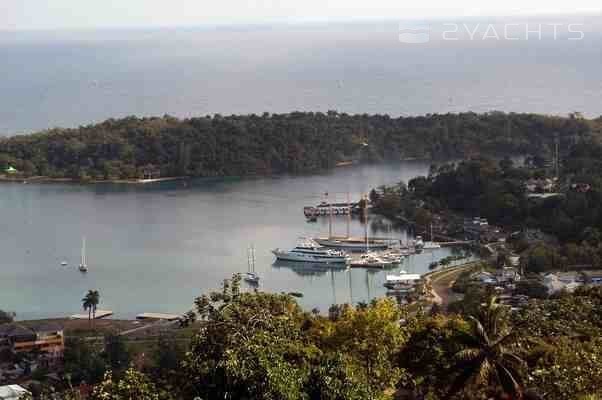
{"x": 47, "y": 179}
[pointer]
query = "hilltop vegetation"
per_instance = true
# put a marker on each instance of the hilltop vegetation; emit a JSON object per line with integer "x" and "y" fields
{"x": 255, "y": 345}
{"x": 297, "y": 142}
{"x": 497, "y": 191}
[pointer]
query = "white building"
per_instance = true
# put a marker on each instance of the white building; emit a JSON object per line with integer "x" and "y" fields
{"x": 556, "y": 284}
{"x": 12, "y": 392}
{"x": 484, "y": 277}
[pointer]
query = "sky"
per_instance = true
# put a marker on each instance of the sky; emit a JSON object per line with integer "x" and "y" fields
{"x": 90, "y": 14}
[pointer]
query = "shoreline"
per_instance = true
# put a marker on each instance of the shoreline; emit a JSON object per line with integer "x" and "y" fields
{"x": 439, "y": 282}
{"x": 49, "y": 180}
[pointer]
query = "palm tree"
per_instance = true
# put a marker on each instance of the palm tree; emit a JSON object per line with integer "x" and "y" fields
{"x": 90, "y": 302}
{"x": 487, "y": 355}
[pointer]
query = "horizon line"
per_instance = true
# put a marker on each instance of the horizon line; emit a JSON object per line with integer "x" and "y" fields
{"x": 280, "y": 22}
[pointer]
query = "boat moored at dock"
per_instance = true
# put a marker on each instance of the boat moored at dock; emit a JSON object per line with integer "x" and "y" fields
{"x": 431, "y": 246}
{"x": 310, "y": 251}
{"x": 373, "y": 260}
{"x": 351, "y": 244}
{"x": 402, "y": 281}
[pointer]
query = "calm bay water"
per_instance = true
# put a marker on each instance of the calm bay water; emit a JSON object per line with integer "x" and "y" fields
{"x": 154, "y": 248}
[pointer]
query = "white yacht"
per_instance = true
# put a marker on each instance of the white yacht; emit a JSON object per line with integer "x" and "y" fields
{"x": 310, "y": 251}
{"x": 401, "y": 281}
{"x": 396, "y": 256}
{"x": 431, "y": 246}
{"x": 373, "y": 260}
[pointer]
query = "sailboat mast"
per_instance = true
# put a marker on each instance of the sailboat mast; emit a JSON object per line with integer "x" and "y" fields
{"x": 348, "y": 215}
{"x": 251, "y": 258}
{"x": 366, "y": 221}
{"x": 83, "y": 260}
{"x": 329, "y": 217}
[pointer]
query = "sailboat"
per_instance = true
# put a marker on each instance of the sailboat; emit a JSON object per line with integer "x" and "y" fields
{"x": 251, "y": 276}
{"x": 347, "y": 242}
{"x": 83, "y": 267}
{"x": 370, "y": 259}
{"x": 432, "y": 244}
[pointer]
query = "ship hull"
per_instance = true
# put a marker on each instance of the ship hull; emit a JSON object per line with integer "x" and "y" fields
{"x": 351, "y": 245}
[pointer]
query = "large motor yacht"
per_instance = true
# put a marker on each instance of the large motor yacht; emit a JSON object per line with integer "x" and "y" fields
{"x": 309, "y": 251}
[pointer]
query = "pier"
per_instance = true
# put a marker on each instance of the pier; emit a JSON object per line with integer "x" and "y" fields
{"x": 158, "y": 316}
{"x": 98, "y": 315}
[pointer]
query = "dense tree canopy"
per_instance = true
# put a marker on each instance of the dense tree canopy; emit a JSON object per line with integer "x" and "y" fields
{"x": 264, "y": 346}
{"x": 6, "y": 316}
{"x": 273, "y": 143}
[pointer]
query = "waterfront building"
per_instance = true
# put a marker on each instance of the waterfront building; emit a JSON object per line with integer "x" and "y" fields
{"x": 13, "y": 392}
{"x": 46, "y": 338}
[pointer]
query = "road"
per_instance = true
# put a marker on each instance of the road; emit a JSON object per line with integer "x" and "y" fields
{"x": 440, "y": 283}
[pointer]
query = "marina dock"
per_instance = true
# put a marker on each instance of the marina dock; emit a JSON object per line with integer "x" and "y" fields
{"x": 98, "y": 315}
{"x": 158, "y": 316}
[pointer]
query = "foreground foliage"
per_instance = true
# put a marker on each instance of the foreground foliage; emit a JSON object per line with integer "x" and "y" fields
{"x": 263, "y": 346}
{"x": 253, "y": 345}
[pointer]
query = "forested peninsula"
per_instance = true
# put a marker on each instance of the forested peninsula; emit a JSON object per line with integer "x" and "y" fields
{"x": 298, "y": 142}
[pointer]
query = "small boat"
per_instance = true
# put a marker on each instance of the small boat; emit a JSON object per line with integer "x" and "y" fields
{"x": 311, "y": 252}
{"x": 310, "y": 212}
{"x": 83, "y": 267}
{"x": 372, "y": 260}
{"x": 394, "y": 256}
{"x": 251, "y": 276}
{"x": 401, "y": 281}
{"x": 432, "y": 244}
{"x": 64, "y": 263}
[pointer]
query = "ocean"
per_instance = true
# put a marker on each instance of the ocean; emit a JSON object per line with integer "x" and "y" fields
{"x": 66, "y": 79}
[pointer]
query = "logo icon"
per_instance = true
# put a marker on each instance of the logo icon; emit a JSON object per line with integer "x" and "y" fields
{"x": 415, "y": 34}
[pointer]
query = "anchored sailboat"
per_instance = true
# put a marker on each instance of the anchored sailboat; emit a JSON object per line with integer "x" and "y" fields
{"x": 251, "y": 276}
{"x": 83, "y": 267}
